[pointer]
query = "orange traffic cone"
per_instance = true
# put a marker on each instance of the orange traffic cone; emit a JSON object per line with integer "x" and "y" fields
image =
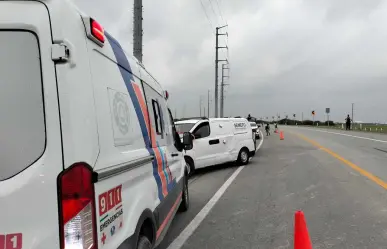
{"x": 282, "y": 135}
{"x": 301, "y": 235}
{"x": 276, "y": 131}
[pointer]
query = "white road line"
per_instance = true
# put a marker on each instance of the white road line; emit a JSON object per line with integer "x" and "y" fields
{"x": 260, "y": 143}
{"x": 188, "y": 231}
{"x": 347, "y": 135}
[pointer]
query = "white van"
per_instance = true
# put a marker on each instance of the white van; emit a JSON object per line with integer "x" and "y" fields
{"x": 217, "y": 141}
{"x": 89, "y": 157}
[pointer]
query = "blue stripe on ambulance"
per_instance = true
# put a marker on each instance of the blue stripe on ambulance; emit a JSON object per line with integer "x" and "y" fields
{"x": 126, "y": 73}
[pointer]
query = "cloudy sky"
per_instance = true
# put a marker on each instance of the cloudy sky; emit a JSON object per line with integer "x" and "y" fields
{"x": 286, "y": 56}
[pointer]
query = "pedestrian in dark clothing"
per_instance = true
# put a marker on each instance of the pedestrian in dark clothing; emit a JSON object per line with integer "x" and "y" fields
{"x": 267, "y": 128}
{"x": 348, "y": 123}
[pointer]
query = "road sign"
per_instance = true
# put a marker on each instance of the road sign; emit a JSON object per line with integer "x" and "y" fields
{"x": 327, "y": 110}
{"x": 313, "y": 113}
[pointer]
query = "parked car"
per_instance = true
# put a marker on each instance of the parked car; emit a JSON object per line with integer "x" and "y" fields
{"x": 217, "y": 141}
{"x": 83, "y": 165}
{"x": 255, "y": 129}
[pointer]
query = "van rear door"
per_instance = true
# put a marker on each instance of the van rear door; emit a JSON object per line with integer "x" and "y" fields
{"x": 30, "y": 142}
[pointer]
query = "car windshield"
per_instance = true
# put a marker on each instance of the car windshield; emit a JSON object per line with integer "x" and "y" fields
{"x": 184, "y": 127}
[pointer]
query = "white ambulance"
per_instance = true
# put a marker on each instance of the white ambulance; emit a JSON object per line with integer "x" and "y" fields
{"x": 218, "y": 141}
{"x": 89, "y": 156}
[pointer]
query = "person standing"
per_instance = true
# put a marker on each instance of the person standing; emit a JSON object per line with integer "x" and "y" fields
{"x": 267, "y": 128}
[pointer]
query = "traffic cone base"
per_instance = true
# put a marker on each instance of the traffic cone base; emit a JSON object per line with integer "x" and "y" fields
{"x": 301, "y": 235}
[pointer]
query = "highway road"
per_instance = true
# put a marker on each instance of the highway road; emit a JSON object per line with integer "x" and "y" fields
{"x": 338, "y": 178}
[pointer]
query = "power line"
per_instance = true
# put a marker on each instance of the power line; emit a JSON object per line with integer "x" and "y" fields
{"x": 221, "y": 16}
{"x": 220, "y": 11}
{"x": 213, "y": 10}
{"x": 205, "y": 12}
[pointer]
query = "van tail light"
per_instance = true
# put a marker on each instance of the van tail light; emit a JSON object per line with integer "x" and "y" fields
{"x": 77, "y": 208}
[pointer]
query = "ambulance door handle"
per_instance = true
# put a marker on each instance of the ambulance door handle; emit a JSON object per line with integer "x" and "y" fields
{"x": 174, "y": 154}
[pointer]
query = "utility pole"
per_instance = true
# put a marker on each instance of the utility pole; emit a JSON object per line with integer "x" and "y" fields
{"x": 137, "y": 29}
{"x": 222, "y": 90}
{"x": 208, "y": 103}
{"x": 216, "y": 65}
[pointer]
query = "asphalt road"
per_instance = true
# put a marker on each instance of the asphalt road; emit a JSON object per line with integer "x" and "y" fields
{"x": 339, "y": 181}
{"x": 202, "y": 186}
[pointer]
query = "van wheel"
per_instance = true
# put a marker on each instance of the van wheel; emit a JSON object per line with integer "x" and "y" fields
{"x": 144, "y": 243}
{"x": 243, "y": 157}
{"x": 184, "y": 205}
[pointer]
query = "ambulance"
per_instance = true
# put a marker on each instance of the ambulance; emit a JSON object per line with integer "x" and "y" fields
{"x": 89, "y": 154}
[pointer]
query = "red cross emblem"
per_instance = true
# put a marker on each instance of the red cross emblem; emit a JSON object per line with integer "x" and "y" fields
{"x": 103, "y": 238}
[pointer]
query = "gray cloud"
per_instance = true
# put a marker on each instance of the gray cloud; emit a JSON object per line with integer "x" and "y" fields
{"x": 286, "y": 56}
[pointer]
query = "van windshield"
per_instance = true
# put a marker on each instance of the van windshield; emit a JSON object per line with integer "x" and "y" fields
{"x": 22, "y": 126}
{"x": 185, "y": 127}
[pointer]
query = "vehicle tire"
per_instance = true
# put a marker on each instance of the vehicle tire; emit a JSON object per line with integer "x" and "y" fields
{"x": 191, "y": 166}
{"x": 144, "y": 243}
{"x": 184, "y": 205}
{"x": 243, "y": 157}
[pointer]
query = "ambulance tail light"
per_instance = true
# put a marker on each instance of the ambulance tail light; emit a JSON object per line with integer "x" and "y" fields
{"x": 76, "y": 198}
{"x": 94, "y": 31}
{"x": 97, "y": 31}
